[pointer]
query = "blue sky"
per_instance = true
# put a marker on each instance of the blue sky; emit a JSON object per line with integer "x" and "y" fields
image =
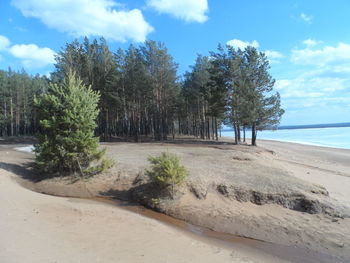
{"x": 307, "y": 42}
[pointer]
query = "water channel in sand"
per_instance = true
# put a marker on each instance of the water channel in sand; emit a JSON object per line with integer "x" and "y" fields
{"x": 288, "y": 253}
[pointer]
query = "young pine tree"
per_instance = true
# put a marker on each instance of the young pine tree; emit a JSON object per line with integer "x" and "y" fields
{"x": 166, "y": 170}
{"x": 67, "y": 116}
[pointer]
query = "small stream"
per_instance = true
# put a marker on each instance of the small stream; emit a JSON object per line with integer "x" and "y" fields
{"x": 287, "y": 253}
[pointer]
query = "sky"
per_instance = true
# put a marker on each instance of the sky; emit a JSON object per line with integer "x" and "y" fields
{"x": 306, "y": 42}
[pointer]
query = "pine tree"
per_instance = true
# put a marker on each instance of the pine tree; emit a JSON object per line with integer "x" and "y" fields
{"x": 250, "y": 102}
{"x": 67, "y": 114}
{"x": 204, "y": 100}
{"x": 262, "y": 106}
{"x": 161, "y": 72}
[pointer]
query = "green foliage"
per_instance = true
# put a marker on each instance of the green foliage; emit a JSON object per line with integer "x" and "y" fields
{"x": 166, "y": 170}
{"x": 142, "y": 96}
{"x": 155, "y": 202}
{"x": 245, "y": 76}
{"x": 17, "y": 89}
{"x": 67, "y": 116}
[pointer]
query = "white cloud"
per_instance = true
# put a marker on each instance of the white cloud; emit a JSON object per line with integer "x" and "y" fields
{"x": 311, "y": 42}
{"x": 88, "y": 17}
{"x": 322, "y": 82}
{"x": 306, "y": 18}
{"x": 4, "y": 43}
{"x": 310, "y": 87}
{"x": 32, "y": 55}
{"x": 273, "y": 54}
{"x": 327, "y": 55}
{"x": 188, "y": 10}
{"x": 326, "y": 83}
{"x": 236, "y": 43}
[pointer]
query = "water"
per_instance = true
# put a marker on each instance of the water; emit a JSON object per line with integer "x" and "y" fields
{"x": 277, "y": 251}
{"x": 28, "y": 149}
{"x": 328, "y": 137}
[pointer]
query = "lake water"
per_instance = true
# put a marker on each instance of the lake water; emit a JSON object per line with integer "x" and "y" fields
{"x": 329, "y": 137}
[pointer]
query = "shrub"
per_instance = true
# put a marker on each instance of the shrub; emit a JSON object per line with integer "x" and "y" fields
{"x": 67, "y": 144}
{"x": 166, "y": 170}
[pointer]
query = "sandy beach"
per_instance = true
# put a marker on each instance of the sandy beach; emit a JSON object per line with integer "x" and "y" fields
{"x": 288, "y": 194}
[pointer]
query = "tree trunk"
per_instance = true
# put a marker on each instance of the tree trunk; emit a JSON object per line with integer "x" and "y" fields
{"x": 5, "y": 123}
{"x": 11, "y": 116}
{"x": 254, "y": 134}
{"x": 244, "y": 133}
{"x": 236, "y": 133}
{"x": 216, "y": 129}
{"x": 107, "y": 125}
{"x": 239, "y": 133}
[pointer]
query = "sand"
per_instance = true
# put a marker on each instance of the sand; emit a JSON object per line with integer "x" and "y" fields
{"x": 329, "y": 167}
{"x": 66, "y": 230}
{"x": 41, "y": 228}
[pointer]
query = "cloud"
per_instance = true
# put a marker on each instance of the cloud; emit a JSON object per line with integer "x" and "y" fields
{"x": 273, "y": 56}
{"x": 236, "y": 43}
{"x": 321, "y": 86}
{"x": 187, "y": 10}
{"x": 320, "y": 89}
{"x": 310, "y": 87}
{"x": 306, "y": 18}
{"x": 4, "y": 43}
{"x": 311, "y": 42}
{"x": 325, "y": 83}
{"x": 33, "y": 56}
{"x": 88, "y": 18}
{"x": 327, "y": 55}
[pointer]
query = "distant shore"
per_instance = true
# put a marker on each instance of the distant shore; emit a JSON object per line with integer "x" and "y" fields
{"x": 332, "y": 137}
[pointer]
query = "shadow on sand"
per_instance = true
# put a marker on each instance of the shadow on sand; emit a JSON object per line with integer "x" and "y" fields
{"x": 24, "y": 171}
{"x": 180, "y": 140}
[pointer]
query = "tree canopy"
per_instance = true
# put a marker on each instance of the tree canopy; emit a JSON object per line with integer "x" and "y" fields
{"x": 142, "y": 95}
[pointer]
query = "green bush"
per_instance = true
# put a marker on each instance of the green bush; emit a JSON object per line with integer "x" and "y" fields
{"x": 67, "y": 144}
{"x": 166, "y": 170}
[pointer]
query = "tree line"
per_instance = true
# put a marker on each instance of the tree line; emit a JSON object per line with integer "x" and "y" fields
{"x": 141, "y": 94}
{"x": 17, "y": 91}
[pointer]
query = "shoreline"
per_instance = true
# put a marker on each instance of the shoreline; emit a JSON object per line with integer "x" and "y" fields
{"x": 296, "y": 141}
{"x": 303, "y": 143}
